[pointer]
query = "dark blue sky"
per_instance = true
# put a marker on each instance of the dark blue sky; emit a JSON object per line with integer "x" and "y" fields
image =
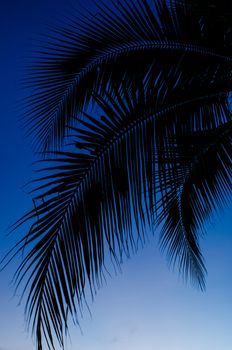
{"x": 145, "y": 307}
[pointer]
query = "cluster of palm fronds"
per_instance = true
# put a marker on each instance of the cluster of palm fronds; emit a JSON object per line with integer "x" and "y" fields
{"x": 156, "y": 150}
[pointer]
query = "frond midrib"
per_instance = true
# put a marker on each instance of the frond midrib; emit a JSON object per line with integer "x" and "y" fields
{"x": 109, "y": 145}
{"x": 141, "y": 45}
{"x": 195, "y": 161}
{"x": 123, "y": 133}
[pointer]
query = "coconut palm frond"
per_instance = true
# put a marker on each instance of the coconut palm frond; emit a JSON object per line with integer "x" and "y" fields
{"x": 199, "y": 170}
{"x": 95, "y": 52}
{"x": 84, "y": 57}
{"x": 91, "y": 202}
{"x": 156, "y": 150}
{"x": 127, "y": 169}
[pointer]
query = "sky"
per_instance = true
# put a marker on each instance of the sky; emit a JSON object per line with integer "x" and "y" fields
{"x": 146, "y": 306}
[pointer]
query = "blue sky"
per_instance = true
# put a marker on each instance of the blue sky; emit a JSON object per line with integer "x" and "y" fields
{"x": 145, "y": 307}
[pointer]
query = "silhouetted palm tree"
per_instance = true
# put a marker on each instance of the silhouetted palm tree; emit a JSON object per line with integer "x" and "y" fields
{"x": 155, "y": 150}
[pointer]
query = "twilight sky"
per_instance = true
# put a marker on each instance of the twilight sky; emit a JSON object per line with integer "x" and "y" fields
{"x": 145, "y": 307}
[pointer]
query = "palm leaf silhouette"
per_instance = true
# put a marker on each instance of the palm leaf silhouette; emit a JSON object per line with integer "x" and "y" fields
{"x": 122, "y": 42}
{"x": 156, "y": 150}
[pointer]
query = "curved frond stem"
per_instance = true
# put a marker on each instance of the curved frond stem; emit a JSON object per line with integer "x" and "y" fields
{"x": 114, "y": 53}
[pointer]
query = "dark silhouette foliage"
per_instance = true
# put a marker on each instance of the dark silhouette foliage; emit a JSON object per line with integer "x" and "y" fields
{"x": 155, "y": 150}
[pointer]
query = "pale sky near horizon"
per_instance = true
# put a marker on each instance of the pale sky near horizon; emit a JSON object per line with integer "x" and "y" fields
{"x": 144, "y": 307}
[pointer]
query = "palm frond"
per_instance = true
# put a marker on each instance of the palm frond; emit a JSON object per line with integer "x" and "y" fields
{"x": 128, "y": 169}
{"x": 91, "y": 53}
{"x": 199, "y": 170}
{"x": 159, "y": 153}
{"x": 89, "y": 203}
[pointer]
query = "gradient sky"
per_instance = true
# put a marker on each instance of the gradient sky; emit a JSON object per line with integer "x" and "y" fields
{"x": 145, "y": 307}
